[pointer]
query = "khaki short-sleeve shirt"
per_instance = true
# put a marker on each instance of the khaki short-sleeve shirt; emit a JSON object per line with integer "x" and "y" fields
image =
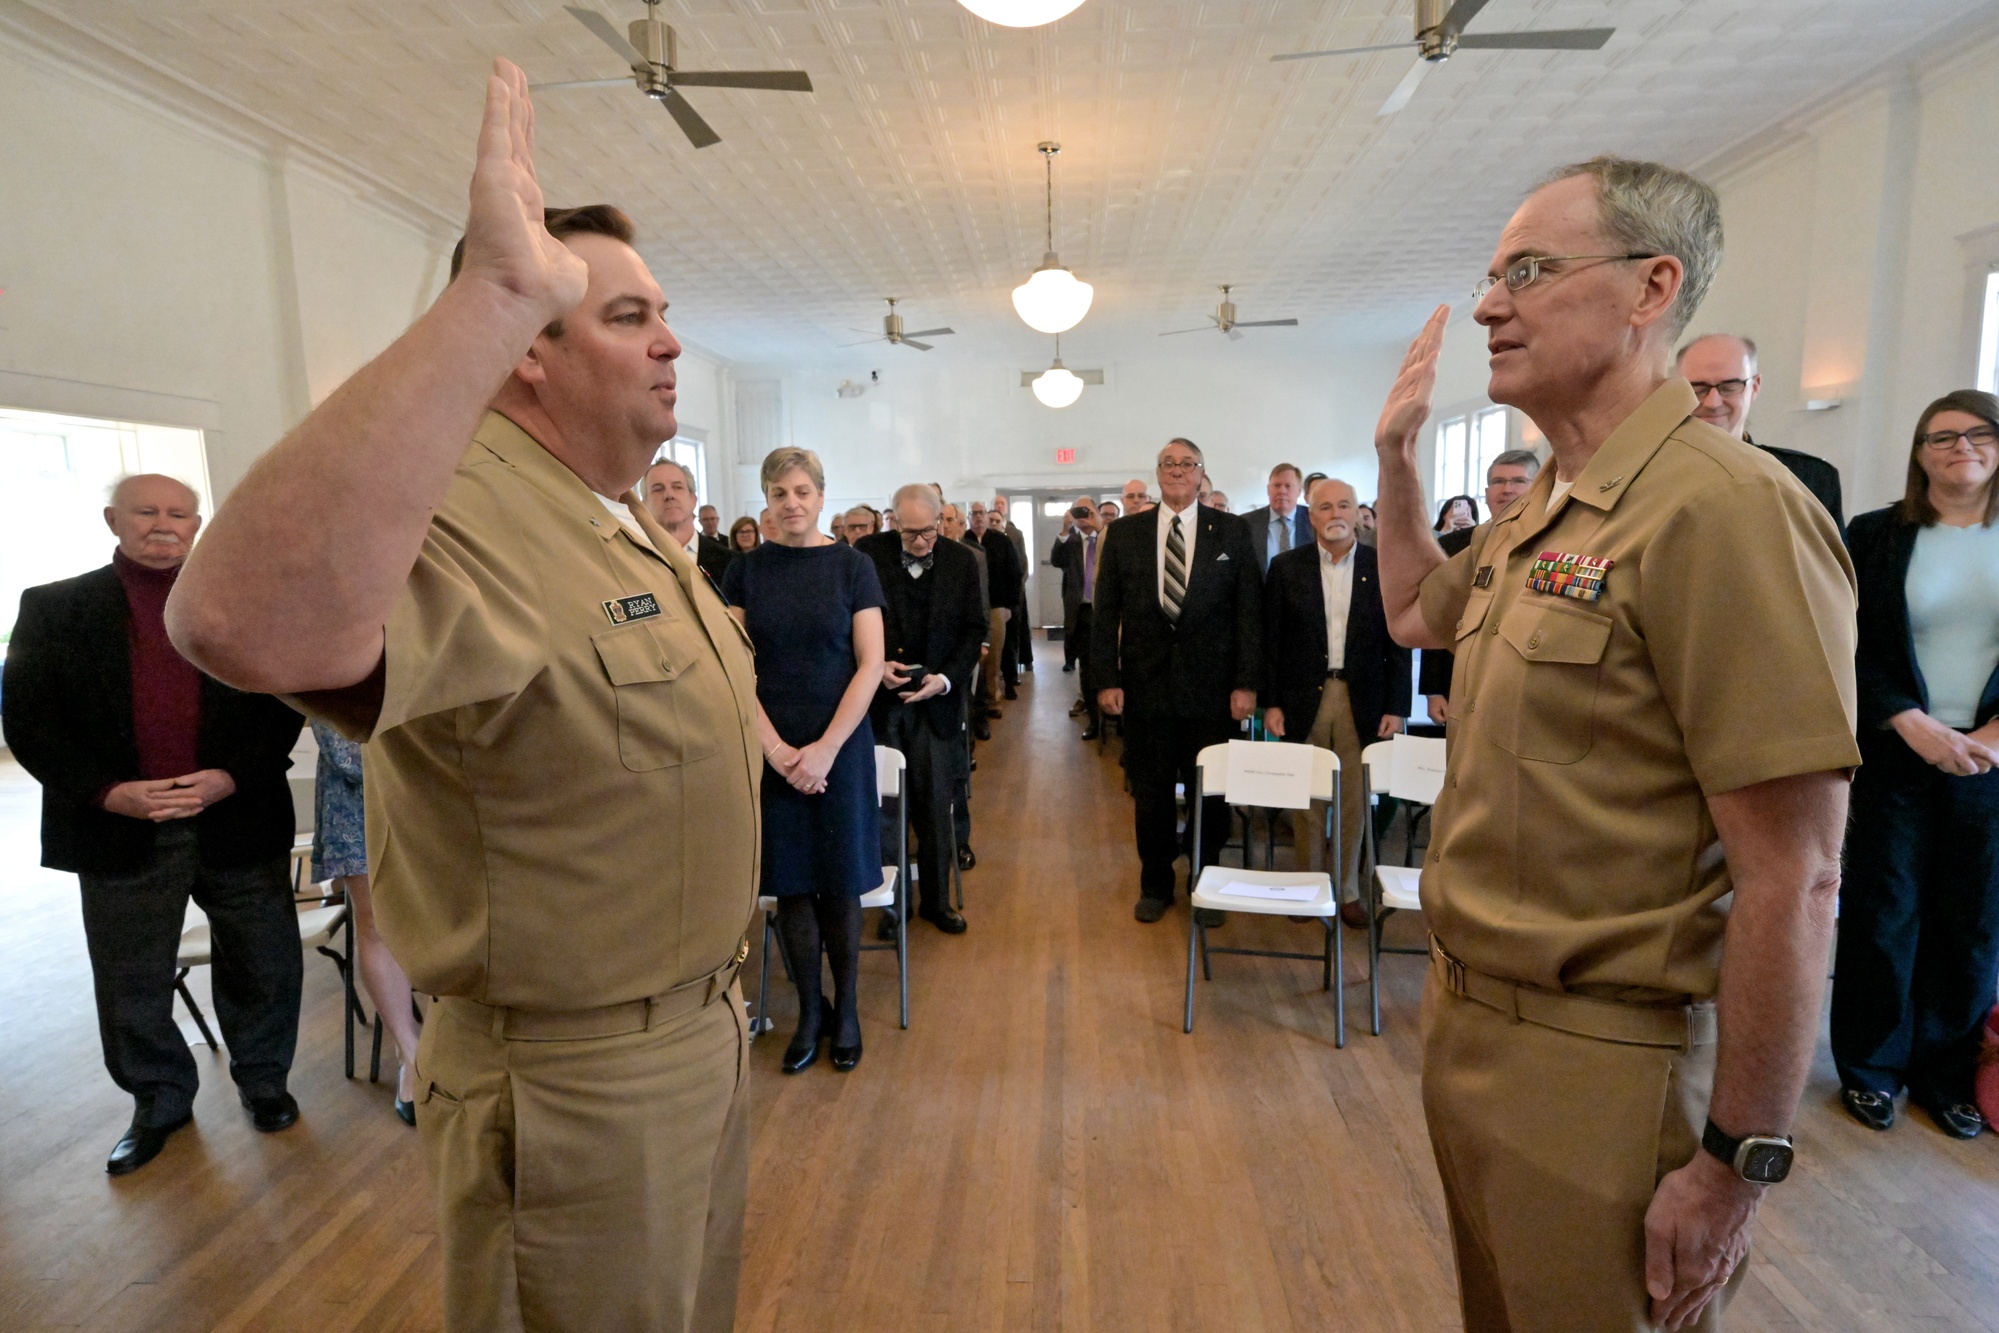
{"x": 1572, "y": 848}
{"x": 562, "y": 778}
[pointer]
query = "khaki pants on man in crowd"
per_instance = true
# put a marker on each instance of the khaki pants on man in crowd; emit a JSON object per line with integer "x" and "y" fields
{"x": 996, "y": 626}
{"x": 1333, "y": 730}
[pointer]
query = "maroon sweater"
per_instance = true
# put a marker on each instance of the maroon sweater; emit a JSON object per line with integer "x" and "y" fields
{"x": 166, "y": 687}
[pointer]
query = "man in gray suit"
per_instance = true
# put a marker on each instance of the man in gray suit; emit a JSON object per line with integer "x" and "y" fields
{"x": 1282, "y": 524}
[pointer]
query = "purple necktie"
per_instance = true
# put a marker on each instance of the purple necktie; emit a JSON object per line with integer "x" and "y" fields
{"x": 1089, "y": 568}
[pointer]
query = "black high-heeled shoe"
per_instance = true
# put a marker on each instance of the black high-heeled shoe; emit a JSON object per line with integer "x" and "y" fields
{"x": 800, "y": 1055}
{"x": 844, "y": 1057}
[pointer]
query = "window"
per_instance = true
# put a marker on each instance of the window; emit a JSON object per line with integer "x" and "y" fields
{"x": 1466, "y": 446}
{"x": 55, "y": 472}
{"x": 692, "y": 455}
{"x": 1988, "y": 337}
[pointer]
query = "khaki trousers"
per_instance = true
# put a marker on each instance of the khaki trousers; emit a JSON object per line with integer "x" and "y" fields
{"x": 996, "y": 621}
{"x": 1550, "y": 1146}
{"x": 589, "y": 1184}
{"x": 1333, "y": 730}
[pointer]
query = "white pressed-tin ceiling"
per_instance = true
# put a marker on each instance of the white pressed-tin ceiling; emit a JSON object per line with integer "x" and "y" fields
{"x": 1188, "y": 159}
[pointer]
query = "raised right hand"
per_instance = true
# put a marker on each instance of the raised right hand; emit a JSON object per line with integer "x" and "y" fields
{"x": 1408, "y": 405}
{"x": 506, "y": 244}
{"x": 157, "y": 801}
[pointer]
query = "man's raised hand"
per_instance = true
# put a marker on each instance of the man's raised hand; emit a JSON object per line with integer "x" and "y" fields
{"x": 506, "y": 244}
{"x": 1408, "y": 405}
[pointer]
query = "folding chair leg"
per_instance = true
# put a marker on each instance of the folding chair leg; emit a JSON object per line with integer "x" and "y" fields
{"x": 1192, "y": 929}
{"x": 1374, "y": 963}
{"x": 375, "y": 1055}
{"x": 902, "y": 953}
{"x": 1339, "y": 985}
{"x": 761, "y": 1023}
{"x": 1207, "y": 967}
{"x": 200, "y": 1021}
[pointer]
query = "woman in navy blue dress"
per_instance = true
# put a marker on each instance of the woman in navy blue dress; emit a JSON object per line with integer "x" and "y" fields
{"x": 813, "y": 608}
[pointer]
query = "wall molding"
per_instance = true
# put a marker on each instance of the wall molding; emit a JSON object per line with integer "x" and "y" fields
{"x": 107, "y": 402}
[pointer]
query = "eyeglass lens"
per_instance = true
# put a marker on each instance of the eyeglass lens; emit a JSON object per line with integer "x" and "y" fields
{"x": 1981, "y": 436}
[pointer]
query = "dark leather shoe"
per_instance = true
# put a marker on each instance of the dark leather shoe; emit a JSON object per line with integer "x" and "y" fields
{"x": 141, "y": 1144}
{"x": 1078, "y": 708}
{"x": 803, "y": 1052}
{"x": 406, "y": 1112}
{"x": 1871, "y": 1109}
{"x": 946, "y": 919}
{"x": 1092, "y": 733}
{"x": 1012, "y": 692}
{"x": 1354, "y": 915}
{"x": 1210, "y": 917}
{"x": 980, "y": 731}
{"x": 1150, "y": 910}
{"x": 967, "y": 858}
{"x": 846, "y": 1057}
{"x": 885, "y": 928}
{"x": 272, "y": 1111}
{"x": 1960, "y": 1120}
{"x": 1067, "y": 667}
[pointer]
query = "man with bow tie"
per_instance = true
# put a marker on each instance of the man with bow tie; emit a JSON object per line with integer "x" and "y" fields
{"x": 1176, "y": 649}
{"x": 935, "y": 619}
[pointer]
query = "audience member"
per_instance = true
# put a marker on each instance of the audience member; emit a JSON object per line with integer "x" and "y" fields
{"x": 1276, "y": 527}
{"x": 1656, "y": 766}
{"x": 813, "y": 608}
{"x": 668, "y": 491}
{"x": 1363, "y": 526}
{"x": 1919, "y": 909}
{"x": 340, "y": 855}
{"x": 561, "y": 751}
{"x": 1506, "y": 480}
{"x": 1216, "y": 500}
{"x": 744, "y": 535}
{"x": 766, "y": 525}
{"x": 1108, "y": 513}
{"x": 160, "y": 784}
{"x": 1003, "y": 587}
{"x": 1458, "y": 512}
{"x": 951, "y": 526}
{"x": 1019, "y": 642}
{"x": 1075, "y": 553}
{"x": 1136, "y": 497}
{"x": 1176, "y": 650}
{"x": 710, "y": 519}
{"x": 934, "y": 622}
{"x": 1721, "y": 369}
{"x": 1327, "y": 656}
{"x": 858, "y": 522}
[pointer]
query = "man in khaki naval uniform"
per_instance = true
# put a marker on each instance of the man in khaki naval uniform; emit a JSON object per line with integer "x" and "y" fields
{"x": 562, "y": 758}
{"x": 1635, "y": 856}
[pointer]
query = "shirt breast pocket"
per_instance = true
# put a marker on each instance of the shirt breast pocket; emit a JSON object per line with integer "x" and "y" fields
{"x": 660, "y": 722}
{"x": 1544, "y": 707}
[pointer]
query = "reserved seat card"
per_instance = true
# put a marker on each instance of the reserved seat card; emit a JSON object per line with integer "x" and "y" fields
{"x": 1270, "y": 774}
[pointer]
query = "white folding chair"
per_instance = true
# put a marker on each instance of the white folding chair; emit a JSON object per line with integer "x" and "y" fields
{"x": 892, "y": 894}
{"x": 1211, "y": 770}
{"x": 1410, "y": 769}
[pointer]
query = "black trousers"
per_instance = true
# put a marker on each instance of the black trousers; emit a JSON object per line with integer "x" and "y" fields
{"x": 1019, "y": 646}
{"x": 1918, "y": 955}
{"x": 934, "y": 767}
{"x": 132, "y": 923}
{"x": 1159, "y": 750}
{"x": 1072, "y": 651}
{"x": 1079, "y": 635}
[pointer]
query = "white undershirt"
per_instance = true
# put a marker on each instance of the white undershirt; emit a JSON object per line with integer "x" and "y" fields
{"x": 623, "y": 514}
{"x": 1336, "y": 587}
{"x": 1187, "y": 527}
{"x": 1561, "y": 488}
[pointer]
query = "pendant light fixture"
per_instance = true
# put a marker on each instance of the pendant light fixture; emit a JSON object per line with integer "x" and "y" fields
{"x": 1052, "y": 300}
{"x": 1020, "y": 13}
{"x": 1058, "y": 386}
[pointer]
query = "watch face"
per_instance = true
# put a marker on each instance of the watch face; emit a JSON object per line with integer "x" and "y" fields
{"x": 1766, "y": 1161}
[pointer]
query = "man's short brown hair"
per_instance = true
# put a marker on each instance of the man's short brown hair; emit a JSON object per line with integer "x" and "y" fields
{"x": 1292, "y": 468}
{"x": 562, "y": 223}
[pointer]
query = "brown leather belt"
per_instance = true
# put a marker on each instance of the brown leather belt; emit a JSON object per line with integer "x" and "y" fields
{"x": 1679, "y": 1027}
{"x": 611, "y": 1020}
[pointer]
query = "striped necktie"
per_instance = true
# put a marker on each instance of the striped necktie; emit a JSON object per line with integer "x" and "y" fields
{"x": 1283, "y": 526}
{"x": 1175, "y": 590}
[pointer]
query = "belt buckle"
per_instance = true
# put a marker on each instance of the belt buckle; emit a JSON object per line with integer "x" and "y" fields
{"x": 742, "y": 951}
{"x": 1454, "y": 970}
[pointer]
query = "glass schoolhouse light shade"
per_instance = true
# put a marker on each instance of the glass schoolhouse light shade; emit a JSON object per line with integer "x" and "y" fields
{"x": 1020, "y": 13}
{"x": 1053, "y": 300}
{"x": 1058, "y": 386}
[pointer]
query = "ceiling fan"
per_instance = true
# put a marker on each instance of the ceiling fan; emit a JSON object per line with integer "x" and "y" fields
{"x": 651, "y": 53}
{"x": 1440, "y": 32}
{"x": 892, "y": 331}
{"x": 1224, "y": 320}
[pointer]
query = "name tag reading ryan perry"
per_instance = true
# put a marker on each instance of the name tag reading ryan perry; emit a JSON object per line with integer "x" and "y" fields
{"x": 1565, "y": 575}
{"x": 637, "y": 606}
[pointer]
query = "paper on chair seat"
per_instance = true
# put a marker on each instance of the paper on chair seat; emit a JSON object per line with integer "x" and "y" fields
{"x": 1288, "y": 893}
{"x": 1270, "y": 774}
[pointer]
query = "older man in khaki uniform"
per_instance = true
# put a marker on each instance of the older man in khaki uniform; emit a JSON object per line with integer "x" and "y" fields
{"x": 1635, "y": 856}
{"x": 562, "y": 759}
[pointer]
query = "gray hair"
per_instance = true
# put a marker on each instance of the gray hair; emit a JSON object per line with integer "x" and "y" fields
{"x": 778, "y": 462}
{"x": 1514, "y": 458}
{"x": 922, "y": 493}
{"x": 1160, "y": 457}
{"x": 124, "y": 479}
{"x": 685, "y": 471}
{"x": 1647, "y": 208}
{"x": 1748, "y": 345}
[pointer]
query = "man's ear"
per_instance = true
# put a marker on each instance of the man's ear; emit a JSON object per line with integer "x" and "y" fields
{"x": 110, "y": 520}
{"x": 1664, "y": 275}
{"x": 530, "y": 369}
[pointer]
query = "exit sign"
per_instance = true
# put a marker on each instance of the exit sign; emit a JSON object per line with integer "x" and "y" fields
{"x": 1065, "y": 456}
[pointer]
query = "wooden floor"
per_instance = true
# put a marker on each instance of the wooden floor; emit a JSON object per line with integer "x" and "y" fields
{"x": 1042, "y": 1149}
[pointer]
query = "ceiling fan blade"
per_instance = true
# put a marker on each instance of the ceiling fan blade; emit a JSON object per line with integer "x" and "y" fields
{"x": 1343, "y": 51}
{"x": 778, "y": 80}
{"x": 1461, "y": 15}
{"x": 1266, "y": 323}
{"x": 863, "y": 342}
{"x": 908, "y": 341}
{"x": 609, "y": 35}
{"x": 1552, "y": 39}
{"x": 1405, "y": 89}
{"x": 928, "y": 333}
{"x": 697, "y": 130}
{"x": 624, "y": 82}
{"x": 1205, "y": 328}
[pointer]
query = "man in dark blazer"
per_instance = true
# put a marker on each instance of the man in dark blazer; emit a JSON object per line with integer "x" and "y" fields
{"x": 668, "y": 491}
{"x": 159, "y": 784}
{"x": 935, "y": 618}
{"x": 1280, "y": 525}
{"x": 1331, "y": 675}
{"x": 1004, "y": 584}
{"x": 1722, "y": 369}
{"x": 1177, "y": 650}
{"x": 1019, "y": 640}
{"x": 1076, "y": 552}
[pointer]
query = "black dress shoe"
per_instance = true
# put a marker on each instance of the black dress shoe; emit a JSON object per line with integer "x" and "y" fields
{"x": 803, "y": 1051}
{"x": 846, "y": 1057}
{"x": 946, "y": 919}
{"x": 1150, "y": 910}
{"x": 1092, "y": 733}
{"x": 980, "y": 731}
{"x": 1067, "y": 667}
{"x": 1078, "y": 708}
{"x": 1960, "y": 1120}
{"x": 1871, "y": 1109}
{"x": 1012, "y": 692}
{"x": 1210, "y": 917}
{"x": 967, "y": 858}
{"x": 141, "y": 1144}
{"x": 271, "y": 1111}
{"x": 993, "y": 713}
{"x": 406, "y": 1112}
{"x": 885, "y": 928}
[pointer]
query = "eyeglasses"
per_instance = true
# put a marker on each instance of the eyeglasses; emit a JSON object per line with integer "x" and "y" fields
{"x": 920, "y": 534}
{"x": 1526, "y": 270}
{"x": 1179, "y": 465}
{"x": 1726, "y": 388}
{"x": 1978, "y": 437}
